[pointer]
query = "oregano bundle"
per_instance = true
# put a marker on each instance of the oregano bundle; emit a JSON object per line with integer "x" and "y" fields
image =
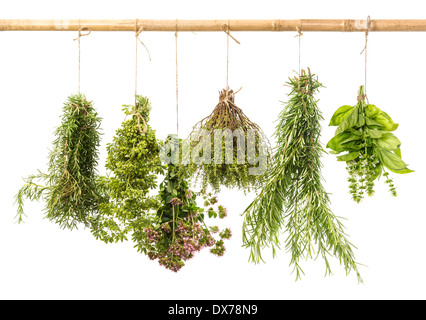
{"x": 179, "y": 230}
{"x": 293, "y": 198}
{"x": 133, "y": 163}
{"x": 69, "y": 186}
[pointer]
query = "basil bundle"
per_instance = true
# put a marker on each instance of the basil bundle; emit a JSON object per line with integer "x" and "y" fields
{"x": 365, "y": 133}
{"x": 69, "y": 188}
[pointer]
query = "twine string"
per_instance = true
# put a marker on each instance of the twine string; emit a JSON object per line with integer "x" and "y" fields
{"x": 364, "y": 50}
{"x": 80, "y": 34}
{"x": 136, "y": 113}
{"x": 227, "y": 29}
{"x": 299, "y": 34}
{"x": 177, "y": 80}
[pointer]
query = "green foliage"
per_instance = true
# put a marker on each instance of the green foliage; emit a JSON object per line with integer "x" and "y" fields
{"x": 218, "y": 170}
{"x": 179, "y": 230}
{"x": 293, "y": 197}
{"x": 364, "y": 131}
{"x": 69, "y": 188}
{"x": 133, "y": 164}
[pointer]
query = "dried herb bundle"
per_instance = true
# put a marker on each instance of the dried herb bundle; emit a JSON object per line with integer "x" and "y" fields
{"x": 225, "y": 164}
{"x": 293, "y": 196}
{"x": 133, "y": 164}
{"x": 364, "y": 131}
{"x": 69, "y": 187}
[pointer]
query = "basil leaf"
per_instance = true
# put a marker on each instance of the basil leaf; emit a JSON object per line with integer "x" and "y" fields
{"x": 349, "y": 157}
{"x": 403, "y": 171}
{"x": 361, "y": 120}
{"x": 341, "y": 114}
{"x": 337, "y": 143}
{"x": 371, "y": 110}
{"x": 390, "y": 160}
{"x": 349, "y": 122}
{"x": 385, "y": 120}
{"x": 388, "y": 142}
{"x": 374, "y": 133}
{"x": 373, "y": 124}
{"x": 398, "y": 152}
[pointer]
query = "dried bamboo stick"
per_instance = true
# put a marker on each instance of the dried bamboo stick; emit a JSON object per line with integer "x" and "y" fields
{"x": 344, "y": 25}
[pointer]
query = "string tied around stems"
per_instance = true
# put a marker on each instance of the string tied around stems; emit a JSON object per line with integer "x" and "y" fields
{"x": 227, "y": 29}
{"x": 177, "y": 80}
{"x": 80, "y": 34}
{"x": 299, "y": 35}
{"x": 136, "y": 113}
{"x": 364, "y": 50}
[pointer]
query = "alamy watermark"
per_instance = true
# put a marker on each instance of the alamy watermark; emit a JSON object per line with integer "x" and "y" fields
{"x": 199, "y": 149}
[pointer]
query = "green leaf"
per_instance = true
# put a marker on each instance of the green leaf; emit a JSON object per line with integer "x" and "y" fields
{"x": 341, "y": 114}
{"x": 361, "y": 120}
{"x": 374, "y": 133}
{"x": 373, "y": 124}
{"x": 403, "y": 171}
{"x": 391, "y": 161}
{"x": 398, "y": 152}
{"x": 337, "y": 143}
{"x": 371, "y": 110}
{"x": 349, "y": 156}
{"x": 385, "y": 120}
{"x": 388, "y": 142}
{"x": 349, "y": 122}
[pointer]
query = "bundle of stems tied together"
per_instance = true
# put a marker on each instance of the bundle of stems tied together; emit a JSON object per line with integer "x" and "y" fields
{"x": 293, "y": 198}
{"x": 219, "y": 171}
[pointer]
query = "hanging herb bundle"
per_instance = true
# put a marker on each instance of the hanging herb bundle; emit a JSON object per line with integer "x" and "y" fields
{"x": 178, "y": 230}
{"x": 293, "y": 196}
{"x": 364, "y": 132}
{"x": 69, "y": 187}
{"x": 133, "y": 162}
{"x": 223, "y": 163}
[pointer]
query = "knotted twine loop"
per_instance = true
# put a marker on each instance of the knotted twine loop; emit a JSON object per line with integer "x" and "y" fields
{"x": 80, "y": 34}
{"x": 227, "y": 29}
{"x": 136, "y": 113}
{"x": 299, "y": 34}
{"x": 364, "y": 50}
{"x": 177, "y": 80}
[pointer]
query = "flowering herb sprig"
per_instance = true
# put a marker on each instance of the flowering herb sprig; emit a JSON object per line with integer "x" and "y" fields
{"x": 179, "y": 230}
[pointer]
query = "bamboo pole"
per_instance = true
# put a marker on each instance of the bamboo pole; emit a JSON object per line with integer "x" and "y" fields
{"x": 343, "y": 25}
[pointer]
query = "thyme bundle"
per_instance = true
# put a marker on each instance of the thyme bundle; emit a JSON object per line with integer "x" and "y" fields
{"x": 133, "y": 164}
{"x": 293, "y": 196}
{"x": 364, "y": 131}
{"x": 228, "y": 132}
{"x": 69, "y": 187}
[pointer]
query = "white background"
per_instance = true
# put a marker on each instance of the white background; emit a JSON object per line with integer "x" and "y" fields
{"x": 38, "y": 70}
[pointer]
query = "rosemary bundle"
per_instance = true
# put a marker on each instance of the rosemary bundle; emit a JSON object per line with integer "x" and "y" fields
{"x": 364, "y": 132}
{"x": 133, "y": 163}
{"x": 178, "y": 230}
{"x": 293, "y": 196}
{"x": 69, "y": 187}
{"x": 240, "y": 148}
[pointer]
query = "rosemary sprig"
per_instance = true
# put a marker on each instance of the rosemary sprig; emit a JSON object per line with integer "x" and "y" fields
{"x": 293, "y": 196}
{"x": 69, "y": 187}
